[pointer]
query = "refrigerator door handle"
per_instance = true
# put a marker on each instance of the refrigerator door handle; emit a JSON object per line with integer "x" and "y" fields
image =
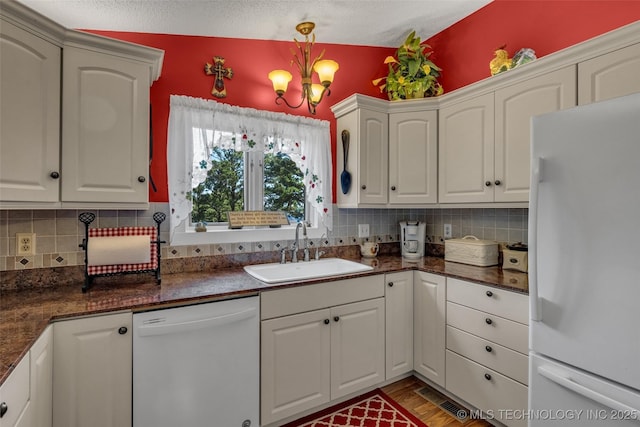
{"x": 536, "y": 176}
{"x": 570, "y": 384}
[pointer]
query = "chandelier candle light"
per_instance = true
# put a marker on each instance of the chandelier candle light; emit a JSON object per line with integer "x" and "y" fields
{"x": 312, "y": 93}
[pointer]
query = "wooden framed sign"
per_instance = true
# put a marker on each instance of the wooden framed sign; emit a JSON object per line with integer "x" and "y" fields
{"x": 241, "y": 219}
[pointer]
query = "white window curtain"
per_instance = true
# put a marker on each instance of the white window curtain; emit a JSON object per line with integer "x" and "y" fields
{"x": 196, "y": 125}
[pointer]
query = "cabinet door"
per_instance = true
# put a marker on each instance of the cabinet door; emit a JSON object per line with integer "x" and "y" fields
{"x": 42, "y": 379}
{"x": 515, "y": 105}
{"x": 105, "y": 128}
{"x": 608, "y": 76}
{"x": 413, "y": 157}
{"x": 14, "y": 393}
{"x": 429, "y": 323}
{"x": 295, "y": 370}
{"x": 357, "y": 346}
{"x": 373, "y": 147}
{"x": 30, "y": 116}
{"x": 92, "y": 362}
{"x": 399, "y": 323}
{"x": 465, "y": 151}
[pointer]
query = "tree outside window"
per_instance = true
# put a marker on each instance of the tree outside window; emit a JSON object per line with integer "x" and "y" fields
{"x": 228, "y": 187}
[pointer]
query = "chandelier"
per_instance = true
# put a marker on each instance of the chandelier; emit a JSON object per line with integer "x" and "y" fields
{"x": 312, "y": 93}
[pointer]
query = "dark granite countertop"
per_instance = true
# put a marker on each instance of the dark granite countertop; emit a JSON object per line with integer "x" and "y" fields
{"x": 25, "y": 313}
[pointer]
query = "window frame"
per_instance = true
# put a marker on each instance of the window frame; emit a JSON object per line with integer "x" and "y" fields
{"x": 308, "y": 138}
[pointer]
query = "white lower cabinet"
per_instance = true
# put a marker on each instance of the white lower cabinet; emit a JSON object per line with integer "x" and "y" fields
{"x": 26, "y": 395}
{"x": 41, "y": 356}
{"x": 493, "y": 393}
{"x": 14, "y": 397}
{"x": 487, "y": 345}
{"x": 296, "y": 364}
{"x": 357, "y": 346}
{"x": 333, "y": 350}
{"x": 92, "y": 371}
{"x": 399, "y": 323}
{"x": 429, "y": 326}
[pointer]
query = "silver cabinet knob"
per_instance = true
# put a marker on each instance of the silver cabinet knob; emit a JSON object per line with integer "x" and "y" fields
{"x": 141, "y": 178}
{"x": 55, "y": 175}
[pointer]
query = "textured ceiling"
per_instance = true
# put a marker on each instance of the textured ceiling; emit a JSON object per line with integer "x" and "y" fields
{"x": 355, "y": 22}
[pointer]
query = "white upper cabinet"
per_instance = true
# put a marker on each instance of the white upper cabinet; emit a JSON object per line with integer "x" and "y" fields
{"x": 105, "y": 128}
{"x": 485, "y": 141}
{"x": 363, "y": 139}
{"x": 515, "y": 105}
{"x": 481, "y": 137}
{"x": 413, "y": 157}
{"x": 392, "y": 152}
{"x": 75, "y": 116}
{"x": 30, "y": 116}
{"x": 466, "y": 151}
{"x": 610, "y": 75}
{"x": 371, "y": 149}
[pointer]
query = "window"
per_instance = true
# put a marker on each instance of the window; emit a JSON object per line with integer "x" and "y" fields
{"x": 223, "y": 158}
{"x": 238, "y": 181}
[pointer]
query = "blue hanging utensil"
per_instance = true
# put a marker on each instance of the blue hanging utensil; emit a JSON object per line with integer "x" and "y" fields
{"x": 345, "y": 176}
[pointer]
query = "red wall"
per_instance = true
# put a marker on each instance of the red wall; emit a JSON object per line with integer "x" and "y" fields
{"x": 463, "y": 51}
{"x": 251, "y": 61}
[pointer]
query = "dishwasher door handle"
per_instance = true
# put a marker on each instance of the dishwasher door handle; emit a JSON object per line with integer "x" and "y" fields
{"x": 172, "y": 328}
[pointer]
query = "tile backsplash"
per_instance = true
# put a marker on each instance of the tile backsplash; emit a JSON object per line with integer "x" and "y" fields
{"x": 59, "y": 232}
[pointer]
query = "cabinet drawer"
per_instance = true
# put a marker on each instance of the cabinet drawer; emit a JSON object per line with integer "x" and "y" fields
{"x": 499, "y": 358}
{"x": 502, "y": 331}
{"x": 283, "y": 302}
{"x": 487, "y": 390}
{"x": 15, "y": 393}
{"x": 507, "y": 304}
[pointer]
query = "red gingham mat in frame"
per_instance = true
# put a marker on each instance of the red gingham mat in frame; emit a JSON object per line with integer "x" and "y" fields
{"x": 125, "y": 231}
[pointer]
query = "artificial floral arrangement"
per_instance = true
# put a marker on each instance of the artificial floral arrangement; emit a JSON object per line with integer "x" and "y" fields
{"x": 411, "y": 73}
{"x": 502, "y": 62}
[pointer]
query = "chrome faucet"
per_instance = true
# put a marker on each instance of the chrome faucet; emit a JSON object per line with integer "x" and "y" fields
{"x": 296, "y": 243}
{"x": 306, "y": 241}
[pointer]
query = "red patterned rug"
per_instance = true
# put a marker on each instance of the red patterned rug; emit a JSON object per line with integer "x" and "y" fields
{"x": 374, "y": 409}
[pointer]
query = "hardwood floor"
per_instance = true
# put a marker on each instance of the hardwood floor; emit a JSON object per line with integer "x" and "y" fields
{"x": 405, "y": 393}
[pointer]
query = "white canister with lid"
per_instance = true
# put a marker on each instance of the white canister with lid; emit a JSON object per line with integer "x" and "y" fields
{"x": 515, "y": 257}
{"x": 471, "y": 250}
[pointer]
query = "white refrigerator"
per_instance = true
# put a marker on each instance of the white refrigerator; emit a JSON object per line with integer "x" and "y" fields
{"x": 584, "y": 274}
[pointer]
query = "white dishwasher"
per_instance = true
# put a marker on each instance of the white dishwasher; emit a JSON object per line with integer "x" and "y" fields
{"x": 197, "y": 365}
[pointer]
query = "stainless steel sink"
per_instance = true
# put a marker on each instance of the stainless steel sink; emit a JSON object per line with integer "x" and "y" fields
{"x": 291, "y": 272}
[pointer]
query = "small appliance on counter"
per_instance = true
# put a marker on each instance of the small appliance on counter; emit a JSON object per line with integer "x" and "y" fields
{"x": 471, "y": 250}
{"x": 412, "y": 239}
{"x": 515, "y": 257}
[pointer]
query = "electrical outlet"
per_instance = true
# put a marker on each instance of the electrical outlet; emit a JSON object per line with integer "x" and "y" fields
{"x": 447, "y": 231}
{"x": 26, "y": 243}
{"x": 363, "y": 230}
